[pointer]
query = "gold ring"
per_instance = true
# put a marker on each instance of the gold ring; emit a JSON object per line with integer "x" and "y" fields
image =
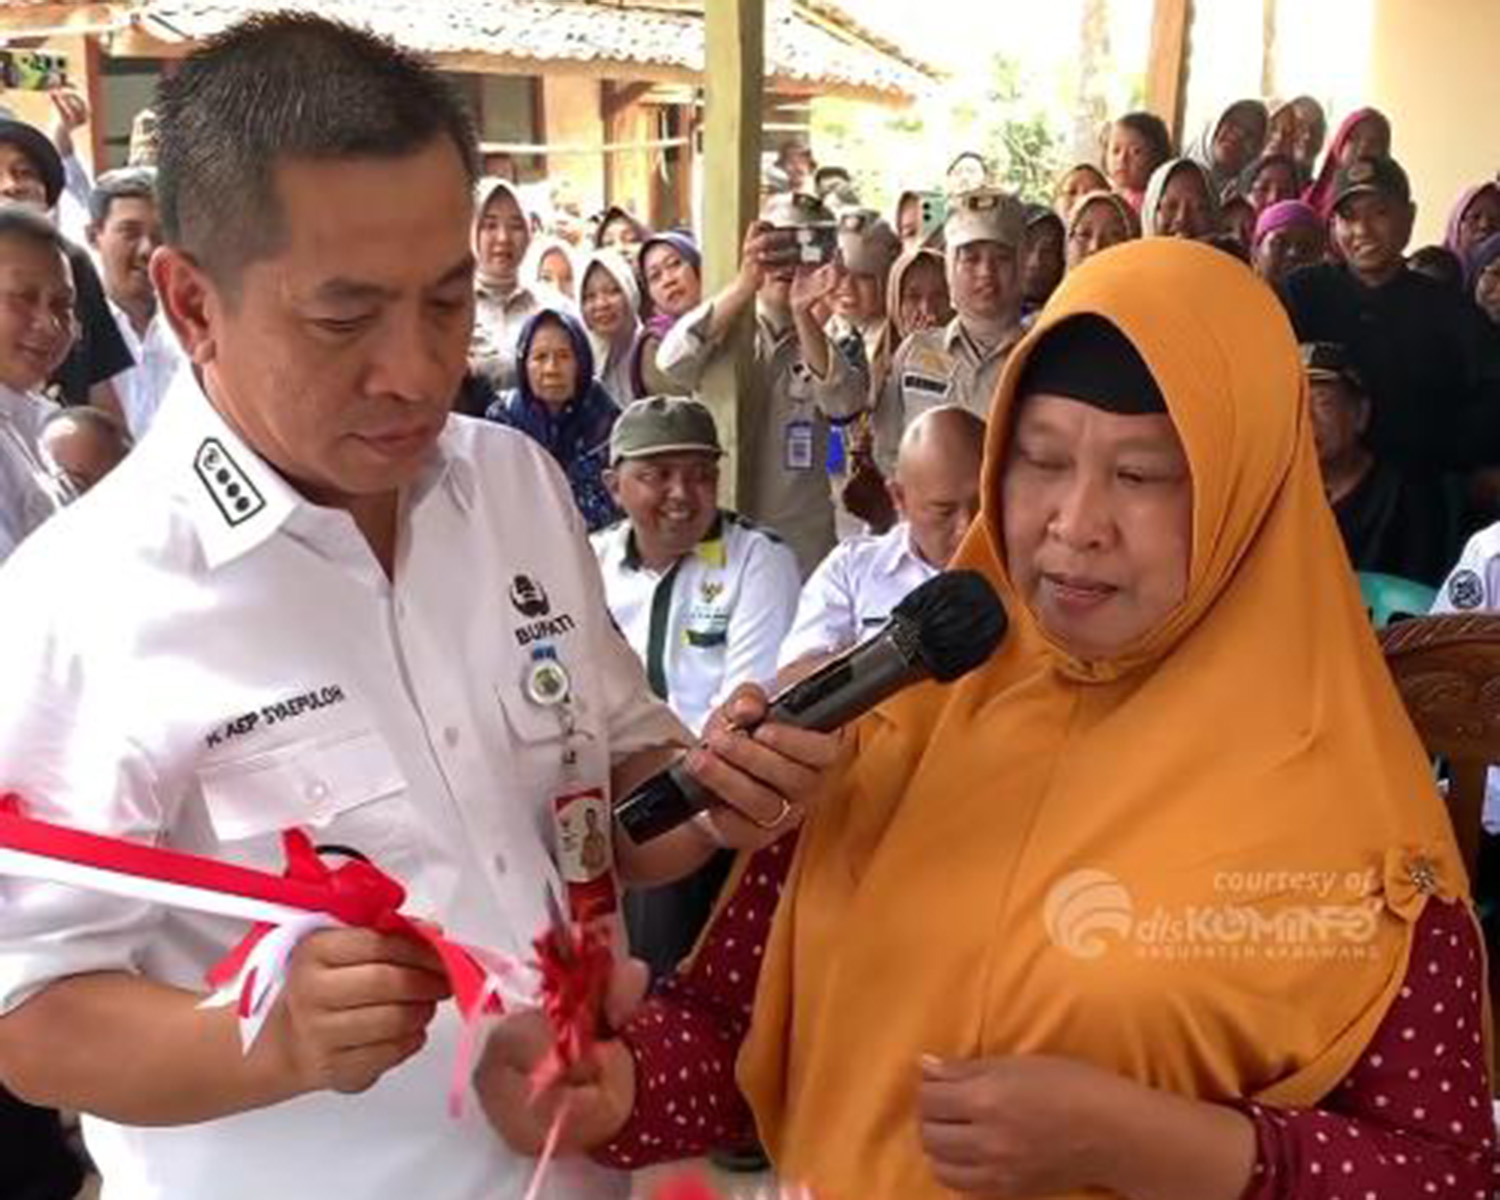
{"x": 774, "y": 822}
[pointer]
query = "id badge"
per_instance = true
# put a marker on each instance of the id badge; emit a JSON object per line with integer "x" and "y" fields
{"x": 585, "y": 852}
{"x": 799, "y": 446}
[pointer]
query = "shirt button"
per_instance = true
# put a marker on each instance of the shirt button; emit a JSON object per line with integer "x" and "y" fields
{"x": 501, "y": 866}
{"x": 401, "y": 610}
{"x": 317, "y": 790}
{"x": 450, "y": 735}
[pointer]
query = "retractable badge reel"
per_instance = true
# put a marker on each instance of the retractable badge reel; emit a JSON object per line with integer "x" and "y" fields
{"x": 581, "y": 818}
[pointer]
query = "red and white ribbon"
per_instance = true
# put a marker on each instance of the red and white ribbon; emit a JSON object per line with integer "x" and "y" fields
{"x": 573, "y": 963}
{"x": 285, "y": 908}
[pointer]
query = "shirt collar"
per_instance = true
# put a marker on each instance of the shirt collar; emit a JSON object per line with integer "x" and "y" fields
{"x": 896, "y": 549}
{"x": 14, "y": 404}
{"x": 956, "y": 334}
{"x": 712, "y": 550}
{"x": 237, "y": 501}
{"x": 127, "y": 326}
{"x": 509, "y": 301}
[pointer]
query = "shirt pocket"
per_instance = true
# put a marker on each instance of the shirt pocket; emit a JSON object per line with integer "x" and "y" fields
{"x": 539, "y": 742}
{"x": 344, "y": 788}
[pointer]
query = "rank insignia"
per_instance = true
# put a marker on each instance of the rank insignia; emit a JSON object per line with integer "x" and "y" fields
{"x": 236, "y": 498}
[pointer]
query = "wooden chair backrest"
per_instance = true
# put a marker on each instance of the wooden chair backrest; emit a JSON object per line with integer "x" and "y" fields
{"x": 1447, "y": 669}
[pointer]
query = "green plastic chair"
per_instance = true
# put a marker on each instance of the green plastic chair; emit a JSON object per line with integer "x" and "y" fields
{"x": 1390, "y": 598}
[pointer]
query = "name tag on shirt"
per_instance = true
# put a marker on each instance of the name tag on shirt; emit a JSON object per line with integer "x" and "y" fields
{"x": 924, "y": 383}
{"x": 799, "y": 446}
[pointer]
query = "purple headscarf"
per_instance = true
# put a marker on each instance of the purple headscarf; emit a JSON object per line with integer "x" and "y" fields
{"x": 1485, "y": 255}
{"x": 1456, "y": 217}
{"x": 658, "y": 324}
{"x": 1286, "y": 213}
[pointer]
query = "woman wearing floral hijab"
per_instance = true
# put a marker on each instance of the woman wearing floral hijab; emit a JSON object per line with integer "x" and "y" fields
{"x": 1049, "y": 933}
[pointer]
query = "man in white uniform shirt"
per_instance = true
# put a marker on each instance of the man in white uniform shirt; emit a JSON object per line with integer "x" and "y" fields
{"x": 854, "y": 589}
{"x": 333, "y": 607}
{"x": 703, "y": 597}
{"x": 125, "y": 231}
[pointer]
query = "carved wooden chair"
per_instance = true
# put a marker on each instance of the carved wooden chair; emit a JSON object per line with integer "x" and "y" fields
{"x": 1447, "y": 669}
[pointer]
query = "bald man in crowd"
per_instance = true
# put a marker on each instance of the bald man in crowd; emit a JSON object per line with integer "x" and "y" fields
{"x": 854, "y": 589}
{"x": 83, "y": 445}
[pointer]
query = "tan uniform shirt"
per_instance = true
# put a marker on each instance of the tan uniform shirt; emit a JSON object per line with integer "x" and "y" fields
{"x": 933, "y": 367}
{"x": 784, "y": 444}
{"x": 498, "y": 322}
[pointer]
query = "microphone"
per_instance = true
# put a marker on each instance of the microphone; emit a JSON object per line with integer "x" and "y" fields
{"x": 942, "y": 630}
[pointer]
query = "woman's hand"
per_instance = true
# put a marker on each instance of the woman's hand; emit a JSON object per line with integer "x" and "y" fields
{"x": 1026, "y": 1125}
{"x": 763, "y": 773}
{"x": 599, "y": 1094}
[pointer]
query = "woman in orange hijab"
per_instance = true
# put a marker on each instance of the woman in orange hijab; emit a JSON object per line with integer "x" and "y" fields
{"x": 1162, "y": 901}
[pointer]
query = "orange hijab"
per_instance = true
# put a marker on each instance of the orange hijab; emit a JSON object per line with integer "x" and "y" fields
{"x": 1197, "y": 864}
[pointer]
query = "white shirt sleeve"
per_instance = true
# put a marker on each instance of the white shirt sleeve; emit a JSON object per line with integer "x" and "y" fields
{"x": 65, "y": 750}
{"x": 825, "y": 622}
{"x": 73, "y": 215}
{"x": 1473, "y": 577}
{"x": 762, "y": 615}
{"x": 24, "y": 503}
{"x": 684, "y": 354}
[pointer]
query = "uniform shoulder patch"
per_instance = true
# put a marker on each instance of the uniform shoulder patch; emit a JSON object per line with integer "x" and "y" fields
{"x": 745, "y": 523}
{"x": 236, "y": 498}
{"x": 1465, "y": 590}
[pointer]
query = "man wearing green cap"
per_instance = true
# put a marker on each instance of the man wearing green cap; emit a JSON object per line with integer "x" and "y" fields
{"x": 704, "y": 598}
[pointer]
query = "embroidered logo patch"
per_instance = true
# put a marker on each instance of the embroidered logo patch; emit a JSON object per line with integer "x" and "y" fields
{"x": 233, "y": 494}
{"x": 529, "y": 597}
{"x": 1465, "y": 590}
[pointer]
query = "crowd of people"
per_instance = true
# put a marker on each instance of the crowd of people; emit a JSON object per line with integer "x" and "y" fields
{"x": 1132, "y": 407}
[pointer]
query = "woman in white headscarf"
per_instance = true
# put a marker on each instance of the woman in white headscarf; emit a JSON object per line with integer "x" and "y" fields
{"x": 1180, "y": 202}
{"x": 550, "y": 265}
{"x": 609, "y": 298}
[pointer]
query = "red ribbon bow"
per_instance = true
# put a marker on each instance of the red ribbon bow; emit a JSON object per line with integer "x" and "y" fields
{"x": 575, "y": 962}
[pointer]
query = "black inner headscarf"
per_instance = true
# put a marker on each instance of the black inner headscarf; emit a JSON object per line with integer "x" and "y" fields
{"x": 1088, "y": 359}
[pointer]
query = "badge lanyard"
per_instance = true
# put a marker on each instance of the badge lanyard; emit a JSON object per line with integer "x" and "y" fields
{"x": 581, "y": 819}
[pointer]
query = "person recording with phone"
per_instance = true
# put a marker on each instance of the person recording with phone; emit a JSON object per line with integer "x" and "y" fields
{"x": 786, "y": 265}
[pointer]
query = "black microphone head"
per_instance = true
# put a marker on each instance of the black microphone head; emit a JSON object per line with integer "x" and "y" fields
{"x": 955, "y": 620}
